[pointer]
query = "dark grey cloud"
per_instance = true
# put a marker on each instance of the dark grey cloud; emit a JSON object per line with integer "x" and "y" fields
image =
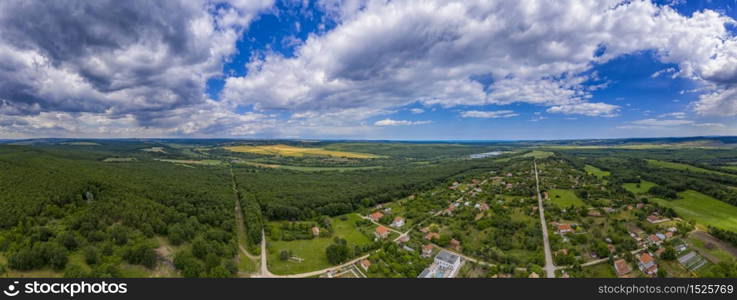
{"x": 116, "y": 57}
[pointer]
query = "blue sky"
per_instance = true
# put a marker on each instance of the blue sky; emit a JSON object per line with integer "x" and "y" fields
{"x": 409, "y": 70}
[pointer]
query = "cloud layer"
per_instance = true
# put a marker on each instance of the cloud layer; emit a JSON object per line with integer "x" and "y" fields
{"x": 140, "y": 68}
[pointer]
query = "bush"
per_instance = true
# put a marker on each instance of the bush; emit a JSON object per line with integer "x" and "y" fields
{"x": 141, "y": 254}
{"x": 74, "y": 271}
{"x": 91, "y": 255}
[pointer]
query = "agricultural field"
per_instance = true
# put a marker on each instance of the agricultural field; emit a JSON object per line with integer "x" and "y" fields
{"x": 539, "y": 154}
{"x": 310, "y": 169}
{"x": 703, "y": 209}
{"x": 565, "y": 198}
{"x": 207, "y": 162}
{"x": 680, "y": 166}
{"x": 285, "y": 150}
{"x": 639, "y": 188}
{"x": 596, "y": 171}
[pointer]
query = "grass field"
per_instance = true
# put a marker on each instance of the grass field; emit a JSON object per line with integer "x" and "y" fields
{"x": 731, "y": 168}
{"x": 639, "y": 188}
{"x": 715, "y": 252}
{"x": 310, "y": 169}
{"x": 313, "y": 251}
{"x": 604, "y": 270}
{"x": 119, "y": 159}
{"x": 206, "y": 162}
{"x": 680, "y": 166}
{"x": 285, "y": 150}
{"x": 155, "y": 149}
{"x": 82, "y": 144}
{"x": 703, "y": 209}
{"x": 565, "y": 198}
{"x": 538, "y": 154}
{"x": 596, "y": 171}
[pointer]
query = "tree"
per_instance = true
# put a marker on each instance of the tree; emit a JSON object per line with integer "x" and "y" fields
{"x": 74, "y": 271}
{"x": 119, "y": 235}
{"x": 188, "y": 264}
{"x": 200, "y": 248}
{"x": 285, "y": 255}
{"x": 141, "y": 254}
{"x": 338, "y": 252}
{"x": 68, "y": 240}
{"x": 219, "y": 272}
{"x": 91, "y": 255}
{"x": 669, "y": 253}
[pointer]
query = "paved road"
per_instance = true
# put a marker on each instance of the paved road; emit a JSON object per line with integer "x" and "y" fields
{"x": 549, "y": 266}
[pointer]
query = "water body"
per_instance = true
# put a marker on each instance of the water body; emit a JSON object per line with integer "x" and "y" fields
{"x": 485, "y": 154}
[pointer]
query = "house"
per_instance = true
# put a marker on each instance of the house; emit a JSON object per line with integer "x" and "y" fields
{"x": 594, "y": 213}
{"x": 315, "y": 230}
{"x": 647, "y": 264}
{"x": 629, "y": 207}
{"x": 445, "y": 265}
{"x": 654, "y": 239}
{"x": 483, "y": 207}
{"x": 365, "y": 264}
{"x": 426, "y": 250}
{"x": 381, "y": 232}
{"x": 449, "y": 210}
{"x": 672, "y": 229}
{"x": 660, "y": 236}
{"x": 680, "y": 248}
{"x": 425, "y": 229}
{"x": 454, "y": 186}
{"x": 653, "y": 219}
{"x": 640, "y": 205}
{"x": 455, "y": 245}
{"x": 622, "y": 267}
{"x": 432, "y": 235}
{"x": 609, "y": 210}
{"x": 533, "y": 275}
{"x": 376, "y": 216}
{"x": 398, "y": 222}
{"x": 564, "y": 228}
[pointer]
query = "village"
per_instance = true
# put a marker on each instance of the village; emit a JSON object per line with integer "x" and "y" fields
{"x": 487, "y": 226}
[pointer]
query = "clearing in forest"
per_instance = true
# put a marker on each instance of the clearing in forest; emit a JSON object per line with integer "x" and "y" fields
{"x": 285, "y": 150}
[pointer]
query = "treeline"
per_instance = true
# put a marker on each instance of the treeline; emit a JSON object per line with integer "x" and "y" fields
{"x": 724, "y": 235}
{"x": 292, "y": 195}
{"x": 54, "y": 206}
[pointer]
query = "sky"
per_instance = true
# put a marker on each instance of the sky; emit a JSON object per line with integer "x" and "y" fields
{"x": 402, "y": 70}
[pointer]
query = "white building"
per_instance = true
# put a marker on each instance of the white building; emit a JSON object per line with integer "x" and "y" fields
{"x": 446, "y": 265}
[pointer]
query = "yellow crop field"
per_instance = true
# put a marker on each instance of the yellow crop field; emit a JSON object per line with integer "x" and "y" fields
{"x": 285, "y": 150}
